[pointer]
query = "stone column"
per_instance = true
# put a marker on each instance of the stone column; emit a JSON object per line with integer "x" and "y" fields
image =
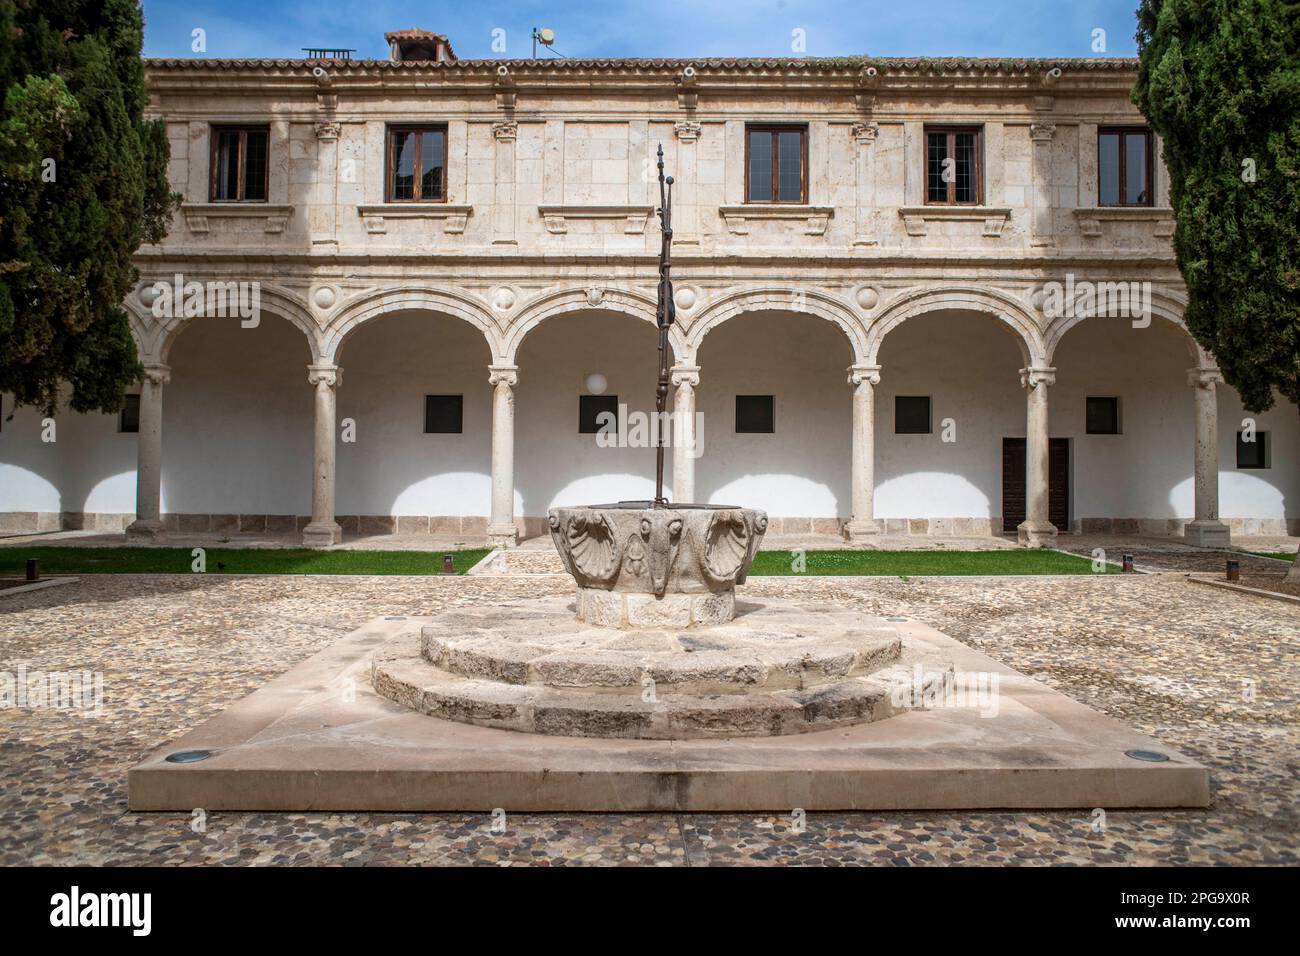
{"x": 1206, "y": 530}
{"x": 322, "y": 219}
{"x": 148, "y": 525}
{"x": 686, "y": 378}
{"x": 323, "y": 529}
{"x": 862, "y": 523}
{"x": 502, "y": 532}
{"x": 1040, "y": 135}
{"x": 1037, "y": 530}
{"x": 686, "y": 225}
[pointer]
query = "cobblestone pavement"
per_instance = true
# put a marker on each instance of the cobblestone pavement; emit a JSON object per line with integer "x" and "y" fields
{"x": 1210, "y": 672}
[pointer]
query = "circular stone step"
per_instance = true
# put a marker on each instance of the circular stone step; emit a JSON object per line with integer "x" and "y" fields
{"x": 780, "y": 668}
{"x": 542, "y": 643}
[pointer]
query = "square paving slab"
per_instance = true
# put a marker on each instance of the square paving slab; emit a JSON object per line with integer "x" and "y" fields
{"x": 318, "y": 738}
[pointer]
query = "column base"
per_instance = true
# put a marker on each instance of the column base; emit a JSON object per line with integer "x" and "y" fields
{"x": 859, "y": 529}
{"x": 503, "y": 535}
{"x": 146, "y": 529}
{"x": 1036, "y": 534}
{"x": 322, "y": 534}
{"x": 1207, "y": 534}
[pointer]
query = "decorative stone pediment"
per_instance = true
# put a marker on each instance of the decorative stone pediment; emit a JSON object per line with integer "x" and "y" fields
{"x": 557, "y": 217}
{"x": 916, "y": 218}
{"x": 815, "y": 218}
{"x": 375, "y": 217}
{"x": 198, "y": 216}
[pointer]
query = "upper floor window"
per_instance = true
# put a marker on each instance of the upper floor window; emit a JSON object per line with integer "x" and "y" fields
{"x": 776, "y": 164}
{"x": 417, "y": 164}
{"x": 239, "y": 163}
{"x": 1124, "y": 167}
{"x": 953, "y": 165}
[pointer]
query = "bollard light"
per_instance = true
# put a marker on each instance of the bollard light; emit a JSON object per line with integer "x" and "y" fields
{"x": 448, "y": 564}
{"x": 1128, "y": 562}
{"x": 33, "y": 569}
{"x": 1234, "y": 569}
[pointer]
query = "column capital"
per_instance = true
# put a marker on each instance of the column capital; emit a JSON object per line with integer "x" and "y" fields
{"x": 155, "y": 373}
{"x": 505, "y": 132}
{"x": 687, "y": 131}
{"x": 1033, "y": 376}
{"x": 328, "y": 131}
{"x": 507, "y": 375}
{"x": 865, "y": 133}
{"x": 1042, "y": 132}
{"x": 330, "y": 376}
{"x": 1204, "y": 377}
{"x": 860, "y": 374}
{"x": 685, "y": 376}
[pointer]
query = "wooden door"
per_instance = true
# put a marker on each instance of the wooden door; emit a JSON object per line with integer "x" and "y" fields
{"x": 1013, "y": 483}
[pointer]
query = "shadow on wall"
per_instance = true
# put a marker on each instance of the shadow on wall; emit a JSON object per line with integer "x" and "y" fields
{"x": 238, "y": 419}
{"x": 394, "y": 467}
{"x": 968, "y": 365}
{"x": 801, "y": 468}
{"x": 554, "y": 464}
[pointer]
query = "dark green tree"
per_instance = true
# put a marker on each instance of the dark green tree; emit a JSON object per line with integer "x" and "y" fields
{"x": 82, "y": 183}
{"x": 1220, "y": 81}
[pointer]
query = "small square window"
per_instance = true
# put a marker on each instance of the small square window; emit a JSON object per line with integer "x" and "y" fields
{"x": 953, "y": 166}
{"x": 128, "y": 420}
{"x": 776, "y": 164}
{"x": 1102, "y": 415}
{"x": 1252, "y": 454}
{"x": 590, "y": 410}
{"x": 912, "y": 415}
{"x": 755, "y": 415}
{"x": 240, "y": 163}
{"x": 444, "y": 414}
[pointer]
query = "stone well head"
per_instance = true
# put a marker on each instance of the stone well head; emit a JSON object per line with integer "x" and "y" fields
{"x": 640, "y": 566}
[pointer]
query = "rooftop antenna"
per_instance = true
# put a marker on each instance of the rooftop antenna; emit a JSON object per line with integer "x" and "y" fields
{"x": 545, "y": 36}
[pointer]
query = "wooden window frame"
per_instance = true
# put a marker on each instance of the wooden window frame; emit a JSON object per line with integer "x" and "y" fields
{"x": 243, "y": 129}
{"x": 390, "y": 178}
{"x": 802, "y": 130}
{"x": 952, "y": 130}
{"x": 1121, "y": 132}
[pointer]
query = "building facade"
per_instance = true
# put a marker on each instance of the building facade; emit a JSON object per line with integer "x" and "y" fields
{"x": 913, "y": 296}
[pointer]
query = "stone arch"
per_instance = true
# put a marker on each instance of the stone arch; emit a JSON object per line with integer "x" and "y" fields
{"x": 147, "y": 331}
{"x": 280, "y": 302}
{"x": 1001, "y": 306}
{"x": 771, "y": 298}
{"x": 1168, "y": 306}
{"x": 387, "y": 300}
{"x": 633, "y": 303}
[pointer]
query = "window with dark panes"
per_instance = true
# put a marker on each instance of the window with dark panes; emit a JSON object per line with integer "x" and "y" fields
{"x": 444, "y": 414}
{"x": 1124, "y": 167}
{"x": 1102, "y": 415}
{"x": 417, "y": 164}
{"x": 1252, "y": 454}
{"x": 755, "y": 415}
{"x": 240, "y": 163}
{"x": 912, "y": 415}
{"x": 591, "y": 407}
{"x": 953, "y": 166}
{"x": 128, "y": 420}
{"x": 776, "y": 164}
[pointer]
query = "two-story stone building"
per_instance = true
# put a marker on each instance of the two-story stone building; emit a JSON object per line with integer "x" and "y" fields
{"x": 897, "y": 286}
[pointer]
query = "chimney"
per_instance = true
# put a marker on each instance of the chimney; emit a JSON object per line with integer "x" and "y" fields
{"x": 415, "y": 45}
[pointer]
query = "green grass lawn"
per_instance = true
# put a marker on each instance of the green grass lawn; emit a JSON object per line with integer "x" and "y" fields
{"x": 13, "y": 560}
{"x": 917, "y": 563}
{"x": 56, "y": 560}
{"x": 1279, "y": 555}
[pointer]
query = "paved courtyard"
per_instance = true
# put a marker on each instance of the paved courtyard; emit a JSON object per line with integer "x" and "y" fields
{"x": 1209, "y": 672}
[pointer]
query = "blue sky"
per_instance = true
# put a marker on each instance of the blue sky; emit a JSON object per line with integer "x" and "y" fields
{"x": 650, "y": 28}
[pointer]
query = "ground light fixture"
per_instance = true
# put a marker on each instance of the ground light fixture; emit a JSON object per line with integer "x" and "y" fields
{"x": 1149, "y": 756}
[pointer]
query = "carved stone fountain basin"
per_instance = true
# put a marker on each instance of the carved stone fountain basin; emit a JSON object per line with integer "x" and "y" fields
{"x": 639, "y": 566}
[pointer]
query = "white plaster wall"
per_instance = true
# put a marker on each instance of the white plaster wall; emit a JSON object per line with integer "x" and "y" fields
{"x": 802, "y": 469}
{"x": 554, "y": 465}
{"x": 237, "y": 420}
{"x": 968, "y": 363}
{"x": 393, "y": 468}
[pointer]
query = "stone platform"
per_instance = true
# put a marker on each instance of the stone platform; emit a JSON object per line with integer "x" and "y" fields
{"x": 319, "y": 739}
{"x": 780, "y": 667}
